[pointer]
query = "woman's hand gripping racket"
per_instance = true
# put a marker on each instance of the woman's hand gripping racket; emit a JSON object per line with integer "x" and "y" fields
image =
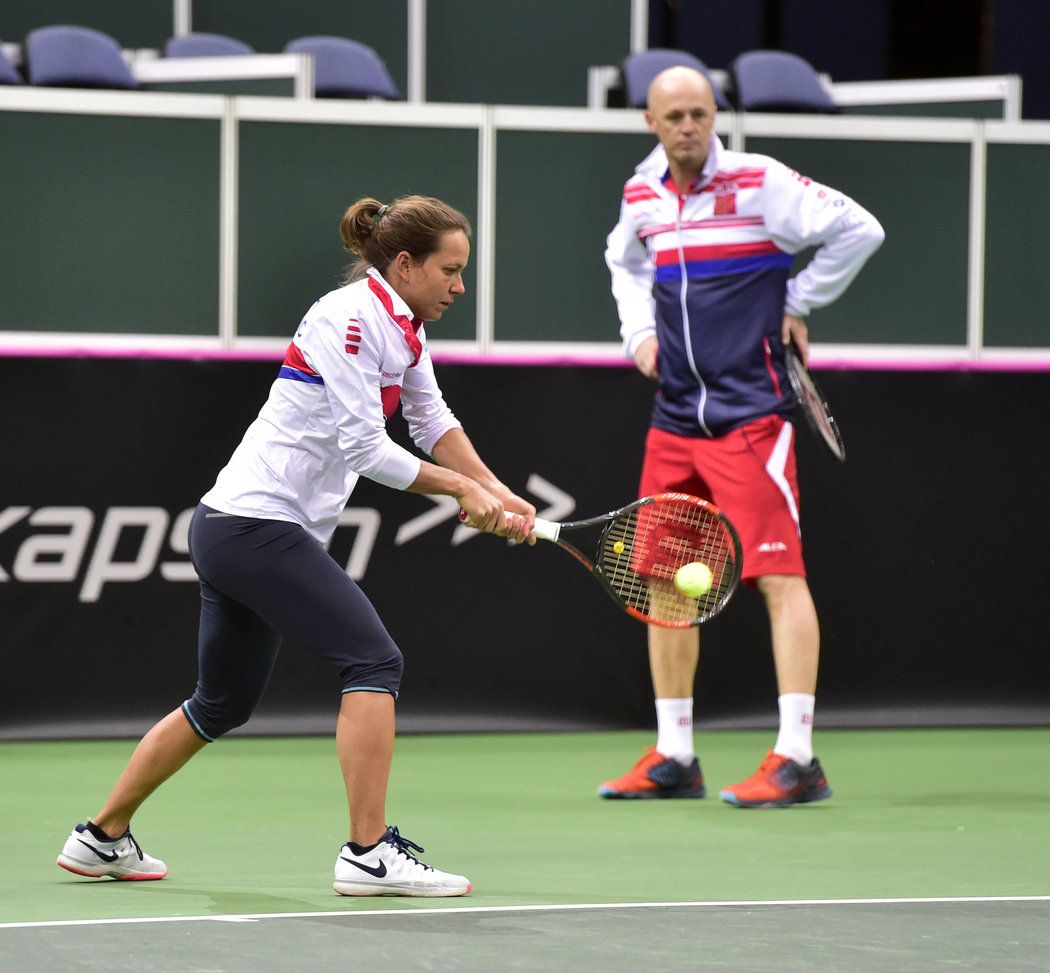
{"x": 813, "y": 405}
{"x": 642, "y": 547}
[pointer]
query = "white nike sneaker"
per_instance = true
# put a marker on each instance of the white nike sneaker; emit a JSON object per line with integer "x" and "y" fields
{"x": 391, "y": 869}
{"x": 84, "y": 854}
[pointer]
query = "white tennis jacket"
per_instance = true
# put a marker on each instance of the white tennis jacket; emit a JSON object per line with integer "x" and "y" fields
{"x": 358, "y": 353}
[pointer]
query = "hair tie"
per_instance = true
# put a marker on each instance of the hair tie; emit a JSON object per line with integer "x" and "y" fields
{"x": 379, "y": 215}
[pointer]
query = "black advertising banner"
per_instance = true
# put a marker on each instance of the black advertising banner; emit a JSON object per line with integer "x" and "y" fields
{"x": 108, "y": 458}
{"x": 924, "y": 551}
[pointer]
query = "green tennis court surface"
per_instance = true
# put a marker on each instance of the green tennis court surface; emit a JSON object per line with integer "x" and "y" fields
{"x": 933, "y": 853}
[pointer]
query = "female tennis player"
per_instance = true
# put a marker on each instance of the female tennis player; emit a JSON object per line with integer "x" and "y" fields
{"x": 257, "y": 537}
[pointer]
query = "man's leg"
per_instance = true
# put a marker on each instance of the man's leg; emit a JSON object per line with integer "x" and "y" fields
{"x": 796, "y": 654}
{"x": 671, "y": 768}
{"x": 673, "y": 657}
{"x": 795, "y": 631}
{"x": 789, "y": 774}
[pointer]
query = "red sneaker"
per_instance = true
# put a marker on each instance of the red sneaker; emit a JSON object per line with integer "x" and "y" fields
{"x": 778, "y": 782}
{"x": 657, "y": 776}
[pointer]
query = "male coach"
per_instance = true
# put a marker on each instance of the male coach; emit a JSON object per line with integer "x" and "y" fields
{"x": 700, "y": 262}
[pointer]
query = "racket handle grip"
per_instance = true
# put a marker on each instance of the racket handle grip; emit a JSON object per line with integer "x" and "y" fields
{"x": 545, "y": 530}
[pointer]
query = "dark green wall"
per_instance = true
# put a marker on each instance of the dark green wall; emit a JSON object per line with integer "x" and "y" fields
{"x": 558, "y": 197}
{"x": 115, "y": 224}
{"x": 132, "y": 23}
{"x": 296, "y": 180}
{"x": 913, "y": 290}
{"x": 261, "y": 87}
{"x": 111, "y": 224}
{"x": 533, "y": 53}
{"x": 1017, "y": 285}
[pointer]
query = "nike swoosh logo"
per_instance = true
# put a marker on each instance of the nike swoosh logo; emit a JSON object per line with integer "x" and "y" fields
{"x": 379, "y": 871}
{"x": 112, "y": 857}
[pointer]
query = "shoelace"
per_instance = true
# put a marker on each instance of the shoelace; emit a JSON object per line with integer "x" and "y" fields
{"x": 127, "y": 834}
{"x": 402, "y": 844}
{"x": 772, "y": 762}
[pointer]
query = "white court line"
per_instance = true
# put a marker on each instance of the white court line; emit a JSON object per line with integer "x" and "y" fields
{"x": 576, "y": 907}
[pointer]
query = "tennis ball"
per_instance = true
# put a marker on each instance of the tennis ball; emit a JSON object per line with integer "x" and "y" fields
{"x": 693, "y": 579}
{"x": 618, "y": 547}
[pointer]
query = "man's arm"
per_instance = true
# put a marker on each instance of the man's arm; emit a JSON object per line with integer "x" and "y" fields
{"x": 632, "y": 284}
{"x": 645, "y": 357}
{"x": 801, "y": 213}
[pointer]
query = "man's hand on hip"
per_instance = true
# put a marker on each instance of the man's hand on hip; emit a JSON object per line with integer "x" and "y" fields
{"x": 794, "y": 330}
{"x": 645, "y": 357}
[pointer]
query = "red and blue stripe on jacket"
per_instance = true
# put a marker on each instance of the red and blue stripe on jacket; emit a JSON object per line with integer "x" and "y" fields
{"x": 719, "y": 283}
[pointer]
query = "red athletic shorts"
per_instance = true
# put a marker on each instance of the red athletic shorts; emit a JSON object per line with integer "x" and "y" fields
{"x": 749, "y": 474}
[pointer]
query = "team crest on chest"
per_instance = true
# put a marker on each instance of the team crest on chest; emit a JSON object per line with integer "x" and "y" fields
{"x": 725, "y": 198}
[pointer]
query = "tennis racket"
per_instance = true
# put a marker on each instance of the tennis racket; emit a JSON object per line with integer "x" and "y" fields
{"x": 814, "y": 406}
{"x": 642, "y": 546}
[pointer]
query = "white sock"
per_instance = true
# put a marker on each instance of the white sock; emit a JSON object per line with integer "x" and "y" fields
{"x": 795, "y": 739}
{"x": 674, "y": 729}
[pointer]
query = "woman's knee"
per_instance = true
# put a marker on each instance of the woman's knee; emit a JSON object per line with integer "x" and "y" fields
{"x": 212, "y": 720}
{"x": 381, "y": 671}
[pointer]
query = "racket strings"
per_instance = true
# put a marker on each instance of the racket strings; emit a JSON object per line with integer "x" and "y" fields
{"x": 642, "y": 550}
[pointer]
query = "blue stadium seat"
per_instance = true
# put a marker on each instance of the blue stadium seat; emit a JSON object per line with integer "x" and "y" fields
{"x": 8, "y": 74}
{"x": 205, "y": 45}
{"x": 345, "y": 69}
{"x": 777, "y": 81}
{"x": 64, "y": 56}
{"x": 640, "y": 68}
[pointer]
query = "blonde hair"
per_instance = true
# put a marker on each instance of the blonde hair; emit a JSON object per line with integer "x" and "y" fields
{"x": 377, "y": 233}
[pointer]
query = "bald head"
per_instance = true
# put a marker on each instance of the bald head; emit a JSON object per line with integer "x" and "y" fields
{"x": 681, "y": 114}
{"x": 680, "y": 81}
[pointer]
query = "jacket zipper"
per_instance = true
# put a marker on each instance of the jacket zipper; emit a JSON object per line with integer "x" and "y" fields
{"x": 685, "y": 319}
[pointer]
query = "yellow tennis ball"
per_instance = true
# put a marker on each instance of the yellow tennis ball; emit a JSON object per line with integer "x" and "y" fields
{"x": 618, "y": 547}
{"x": 693, "y": 579}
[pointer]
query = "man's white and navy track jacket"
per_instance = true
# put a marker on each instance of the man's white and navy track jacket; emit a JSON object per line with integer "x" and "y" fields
{"x": 707, "y": 273}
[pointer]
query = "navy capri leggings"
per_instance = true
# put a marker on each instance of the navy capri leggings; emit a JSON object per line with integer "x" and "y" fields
{"x": 263, "y": 581}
